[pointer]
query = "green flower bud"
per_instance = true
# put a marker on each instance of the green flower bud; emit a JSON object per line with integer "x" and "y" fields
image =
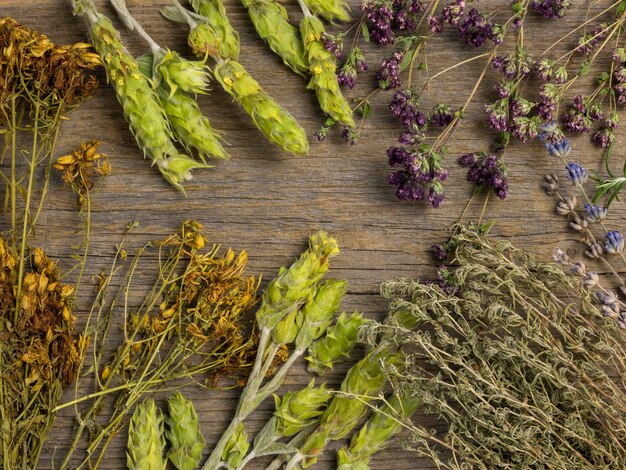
{"x": 145, "y": 438}
{"x": 177, "y": 169}
{"x": 319, "y": 312}
{"x": 226, "y": 37}
{"x": 179, "y": 73}
{"x": 376, "y": 434}
{"x": 236, "y": 448}
{"x": 339, "y": 340}
{"x": 331, "y": 10}
{"x": 290, "y": 289}
{"x": 183, "y": 433}
{"x": 297, "y": 410}
{"x": 287, "y": 329}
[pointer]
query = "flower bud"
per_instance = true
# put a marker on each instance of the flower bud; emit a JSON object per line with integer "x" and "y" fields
{"x": 236, "y": 447}
{"x": 297, "y": 410}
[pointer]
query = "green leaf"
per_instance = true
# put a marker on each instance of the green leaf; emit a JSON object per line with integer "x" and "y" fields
{"x": 365, "y": 109}
{"x": 365, "y": 31}
{"x": 585, "y": 68}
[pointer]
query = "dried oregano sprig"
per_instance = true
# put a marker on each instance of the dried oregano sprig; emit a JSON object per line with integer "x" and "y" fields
{"x": 272, "y": 24}
{"x": 138, "y": 98}
{"x": 146, "y": 445}
{"x": 278, "y": 125}
{"x": 183, "y": 433}
{"x": 515, "y": 356}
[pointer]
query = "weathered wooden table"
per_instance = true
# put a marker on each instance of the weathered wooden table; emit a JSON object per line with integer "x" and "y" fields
{"x": 268, "y": 202}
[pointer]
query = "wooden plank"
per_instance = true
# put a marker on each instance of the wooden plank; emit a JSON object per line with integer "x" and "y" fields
{"x": 267, "y": 202}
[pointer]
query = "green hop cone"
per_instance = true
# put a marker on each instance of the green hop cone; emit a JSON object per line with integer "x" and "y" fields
{"x": 339, "y": 340}
{"x": 322, "y": 66}
{"x": 145, "y": 438}
{"x": 139, "y": 100}
{"x": 287, "y": 329}
{"x": 331, "y": 10}
{"x": 319, "y": 312}
{"x": 297, "y": 410}
{"x": 376, "y": 434}
{"x": 183, "y": 433}
{"x": 292, "y": 287}
{"x": 236, "y": 448}
{"x": 272, "y": 24}
{"x": 192, "y": 129}
{"x": 179, "y": 73}
{"x": 365, "y": 379}
{"x": 273, "y": 120}
{"x": 226, "y": 36}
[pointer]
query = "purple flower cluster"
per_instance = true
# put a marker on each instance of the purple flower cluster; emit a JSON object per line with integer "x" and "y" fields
{"x": 589, "y": 41}
{"x": 475, "y": 29}
{"x": 619, "y": 75}
{"x": 551, "y": 9}
{"x": 551, "y": 133}
{"x": 389, "y": 74}
{"x": 486, "y": 171}
{"x": 404, "y": 106}
{"x": 560, "y": 149}
{"x": 576, "y": 174}
{"x": 612, "y": 307}
{"x": 385, "y": 16}
{"x": 354, "y": 63}
{"x": 419, "y": 174}
{"x": 334, "y": 44}
{"x": 614, "y": 242}
{"x": 596, "y": 213}
{"x": 442, "y": 115}
{"x": 580, "y": 117}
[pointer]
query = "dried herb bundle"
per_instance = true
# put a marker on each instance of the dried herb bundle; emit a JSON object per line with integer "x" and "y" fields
{"x": 192, "y": 322}
{"x": 515, "y": 356}
{"x": 40, "y": 83}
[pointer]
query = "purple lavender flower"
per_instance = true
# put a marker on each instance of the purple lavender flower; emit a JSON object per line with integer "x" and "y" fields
{"x": 595, "y": 213}
{"x": 603, "y": 137}
{"x": 614, "y": 242}
{"x": 576, "y": 173}
{"x": 486, "y": 171}
{"x": 475, "y": 30}
{"x": 404, "y": 106}
{"x": 442, "y": 115}
{"x": 389, "y": 74}
{"x": 551, "y": 9}
{"x": 560, "y": 149}
{"x": 550, "y": 133}
{"x": 379, "y": 14}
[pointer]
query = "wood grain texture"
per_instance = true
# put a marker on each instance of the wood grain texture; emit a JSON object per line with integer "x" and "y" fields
{"x": 267, "y": 202}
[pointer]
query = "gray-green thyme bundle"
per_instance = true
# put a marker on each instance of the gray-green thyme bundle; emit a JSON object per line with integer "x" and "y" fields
{"x": 515, "y": 356}
{"x": 322, "y": 66}
{"x": 272, "y": 24}
{"x": 183, "y": 433}
{"x": 146, "y": 445}
{"x": 138, "y": 98}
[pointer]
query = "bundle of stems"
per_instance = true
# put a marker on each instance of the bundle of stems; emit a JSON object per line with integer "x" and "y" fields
{"x": 515, "y": 356}
{"x": 191, "y": 322}
{"x": 40, "y": 83}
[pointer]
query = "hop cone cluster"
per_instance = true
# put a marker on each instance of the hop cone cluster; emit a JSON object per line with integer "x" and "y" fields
{"x": 293, "y": 285}
{"x": 322, "y": 66}
{"x": 272, "y": 24}
{"x": 331, "y": 10}
{"x": 375, "y": 435}
{"x": 225, "y": 39}
{"x": 138, "y": 98}
{"x": 191, "y": 128}
{"x": 339, "y": 340}
{"x": 183, "y": 433}
{"x": 145, "y": 438}
{"x": 273, "y": 120}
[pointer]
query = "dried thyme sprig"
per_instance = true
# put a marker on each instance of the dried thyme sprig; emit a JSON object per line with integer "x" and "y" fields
{"x": 509, "y": 347}
{"x": 138, "y": 98}
{"x": 272, "y": 24}
{"x": 278, "y": 125}
{"x": 294, "y": 288}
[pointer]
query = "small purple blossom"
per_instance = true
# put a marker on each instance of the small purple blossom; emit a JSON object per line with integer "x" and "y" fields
{"x": 418, "y": 175}
{"x": 442, "y": 115}
{"x": 486, "y": 171}
{"x": 576, "y": 173}
{"x": 614, "y": 242}
{"x": 603, "y": 137}
{"x": 389, "y": 74}
{"x": 439, "y": 252}
{"x": 405, "y": 107}
{"x": 497, "y": 116}
{"x": 435, "y": 24}
{"x": 379, "y": 14}
{"x": 354, "y": 63}
{"x": 595, "y": 213}
{"x": 475, "y": 30}
{"x": 559, "y": 149}
{"x": 589, "y": 41}
{"x": 550, "y": 132}
{"x": 576, "y": 121}
{"x": 452, "y": 12}
{"x": 334, "y": 44}
{"x": 551, "y": 9}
